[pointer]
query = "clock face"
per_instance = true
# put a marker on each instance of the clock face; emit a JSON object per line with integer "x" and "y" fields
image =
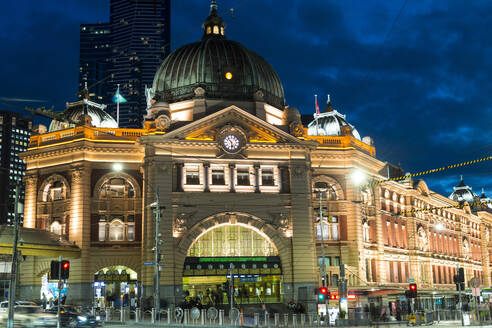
{"x": 231, "y": 142}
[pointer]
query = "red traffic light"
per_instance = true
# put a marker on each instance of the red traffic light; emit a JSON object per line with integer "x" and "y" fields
{"x": 413, "y": 287}
{"x": 323, "y": 290}
{"x": 66, "y": 265}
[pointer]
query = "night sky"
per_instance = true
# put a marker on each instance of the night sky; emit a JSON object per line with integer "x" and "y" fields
{"x": 423, "y": 94}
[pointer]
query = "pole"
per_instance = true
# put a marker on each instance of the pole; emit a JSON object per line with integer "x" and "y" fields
{"x": 13, "y": 270}
{"x": 231, "y": 287}
{"x": 323, "y": 264}
{"x": 118, "y": 106}
{"x": 157, "y": 294}
{"x": 459, "y": 299}
{"x": 58, "y": 319}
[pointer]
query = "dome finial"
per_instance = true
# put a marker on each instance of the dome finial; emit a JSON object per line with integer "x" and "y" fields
{"x": 213, "y": 6}
{"x": 328, "y": 104}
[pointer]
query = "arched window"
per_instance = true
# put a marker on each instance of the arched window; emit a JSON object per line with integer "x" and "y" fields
{"x": 102, "y": 229}
{"x": 54, "y": 189}
{"x": 116, "y": 231}
{"x": 365, "y": 231}
{"x": 222, "y": 30}
{"x": 209, "y": 30}
{"x": 56, "y": 227}
{"x": 232, "y": 240}
{"x": 329, "y": 226}
{"x": 216, "y": 29}
{"x": 117, "y": 188}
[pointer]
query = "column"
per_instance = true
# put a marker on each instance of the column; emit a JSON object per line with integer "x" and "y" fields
{"x": 31, "y": 181}
{"x": 284, "y": 180}
{"x": 257, "y": 178}
{"x": 232, "y": 177}
{"x": 206, "y": 170}
{"x": 381, "y": 265}
{"x": 485, "y": 254}
{"x": 81, "y": 276}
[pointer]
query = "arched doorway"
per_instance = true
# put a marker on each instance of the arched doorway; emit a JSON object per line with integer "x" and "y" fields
{"x": 116, "y": 286}
{"x": 232, "y": 257}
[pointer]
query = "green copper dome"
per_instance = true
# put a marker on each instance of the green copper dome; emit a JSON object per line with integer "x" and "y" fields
{"x": 224, "y": 69}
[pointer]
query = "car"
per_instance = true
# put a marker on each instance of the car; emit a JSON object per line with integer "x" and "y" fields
{"x": 29, "y": 316}
{"x": 4, "y": 306}
{"x": 71, "y": 317}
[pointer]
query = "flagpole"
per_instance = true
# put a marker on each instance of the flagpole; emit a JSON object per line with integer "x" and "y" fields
{"x": 316, "y": 114}
{"x": 118, "y": 106}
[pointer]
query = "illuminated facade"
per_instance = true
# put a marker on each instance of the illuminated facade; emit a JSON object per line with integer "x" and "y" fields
{"x": 239, "y": 177}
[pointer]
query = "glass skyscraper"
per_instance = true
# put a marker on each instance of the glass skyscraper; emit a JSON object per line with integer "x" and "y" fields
{"x": 15, "y": 131}
{"x": 138, "y": 37}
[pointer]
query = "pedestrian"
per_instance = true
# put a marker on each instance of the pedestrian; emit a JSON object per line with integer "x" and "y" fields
{"x": 43, "y": 301}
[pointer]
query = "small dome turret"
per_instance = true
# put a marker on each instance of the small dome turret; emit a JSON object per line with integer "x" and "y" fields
{"x": 486, "y": 200}
{"x": 331, "y": 123}
{"x": 462, "y": 193}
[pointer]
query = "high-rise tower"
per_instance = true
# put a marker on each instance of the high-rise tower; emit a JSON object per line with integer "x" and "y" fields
{"x": 140, "y": 41}
{"x": 127, "y": 51}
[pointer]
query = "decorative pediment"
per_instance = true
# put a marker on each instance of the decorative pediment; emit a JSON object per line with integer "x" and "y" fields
{"x": 257, "y": 130}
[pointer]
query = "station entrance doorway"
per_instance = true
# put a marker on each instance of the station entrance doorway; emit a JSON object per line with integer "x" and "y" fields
{"x": 116, "y": 286}
{"x": 232, "y": 259}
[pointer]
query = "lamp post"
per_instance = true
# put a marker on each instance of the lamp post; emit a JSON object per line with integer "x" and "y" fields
{"x": 157, "y": 253}
{"x": 321, "y": 188}
{"x": 13, "y": 270}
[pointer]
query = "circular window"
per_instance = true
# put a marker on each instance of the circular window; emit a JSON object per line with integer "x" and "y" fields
{"x": 275, "y": 265}
{"x": 199, "y": 267}
{"x": 265, "y": 266}
{"x": 221, "y": 266}
{"x": 254, "y": 266}
{"x": 210, "y": 266}
{"x": 243, "y": 266}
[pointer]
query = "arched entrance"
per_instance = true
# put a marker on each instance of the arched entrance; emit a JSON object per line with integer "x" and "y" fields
{"x": 232, "y": 257}
{"x": 116, "y": 286}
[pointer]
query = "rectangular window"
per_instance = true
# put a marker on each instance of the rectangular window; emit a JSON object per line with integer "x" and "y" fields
{"x": 336, "y": 261}
{"x": 327, "y": 261}
{"x": 267, "y": 177}
{"x": 243, "y": 177}
{"x": 192, "y": 175}
{"x": 218, "y": 176}
{"x": 102, "y": 231}
{"x": 130, "y": 231}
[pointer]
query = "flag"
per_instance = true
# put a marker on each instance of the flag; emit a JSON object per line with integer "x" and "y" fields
{"x": 316, "y": 102}
{"x": 118, "y": 98}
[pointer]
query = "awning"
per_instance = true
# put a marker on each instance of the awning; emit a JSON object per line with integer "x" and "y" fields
{"x": 36, "y": 242}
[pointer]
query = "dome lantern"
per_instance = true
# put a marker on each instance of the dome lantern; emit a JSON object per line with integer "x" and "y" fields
{"x": 214, "y": 26}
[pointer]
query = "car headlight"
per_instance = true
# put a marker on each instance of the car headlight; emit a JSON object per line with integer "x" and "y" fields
{"x": 81, "y": 318}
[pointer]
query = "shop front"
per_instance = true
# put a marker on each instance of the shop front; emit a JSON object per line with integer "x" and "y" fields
{"x": 116, "y": 286}
{"x": 232, "y": 258}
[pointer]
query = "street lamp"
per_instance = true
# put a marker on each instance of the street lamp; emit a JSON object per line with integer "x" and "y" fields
{"x": 358, "y": 177}
{"x": 117, "y": 167}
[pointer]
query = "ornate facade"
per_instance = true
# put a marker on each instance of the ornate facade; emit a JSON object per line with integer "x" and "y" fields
{"x": 239, "y": 180}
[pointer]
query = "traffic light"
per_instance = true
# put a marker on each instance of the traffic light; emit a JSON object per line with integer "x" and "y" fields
{"x": 412, "y": 291}
{"x": 65, "y": 270}
{"x": 461, "y": 275}
{"x": 322, "y": 293}
{"x": 55, "y": 270}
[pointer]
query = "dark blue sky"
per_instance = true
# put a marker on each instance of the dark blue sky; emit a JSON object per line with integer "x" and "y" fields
{"x": 424, "y": 96}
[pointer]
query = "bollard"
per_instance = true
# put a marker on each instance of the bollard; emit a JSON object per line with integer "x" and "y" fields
{"x": 276, "y": 319}
{"x": 202, "y": 317}
{"x": 169, "y": 314}
{"x": 257, "y": 320}
{"x": 266, "y": 323}
{"x": 221, "y": 317}
{"x": 241, "y": 318}
{"x": 153, "y": 316}
{"x": 319, "y": 320}
{"x": 108, "y": 314}
{"x": 137, "y": 315}
{"x": 122, "y": 315}
{"x": 186, "y": 319}
{"x": 303, "y": 319}
{"x": 294, "y": 320}
{"x": 286, "y": 320}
